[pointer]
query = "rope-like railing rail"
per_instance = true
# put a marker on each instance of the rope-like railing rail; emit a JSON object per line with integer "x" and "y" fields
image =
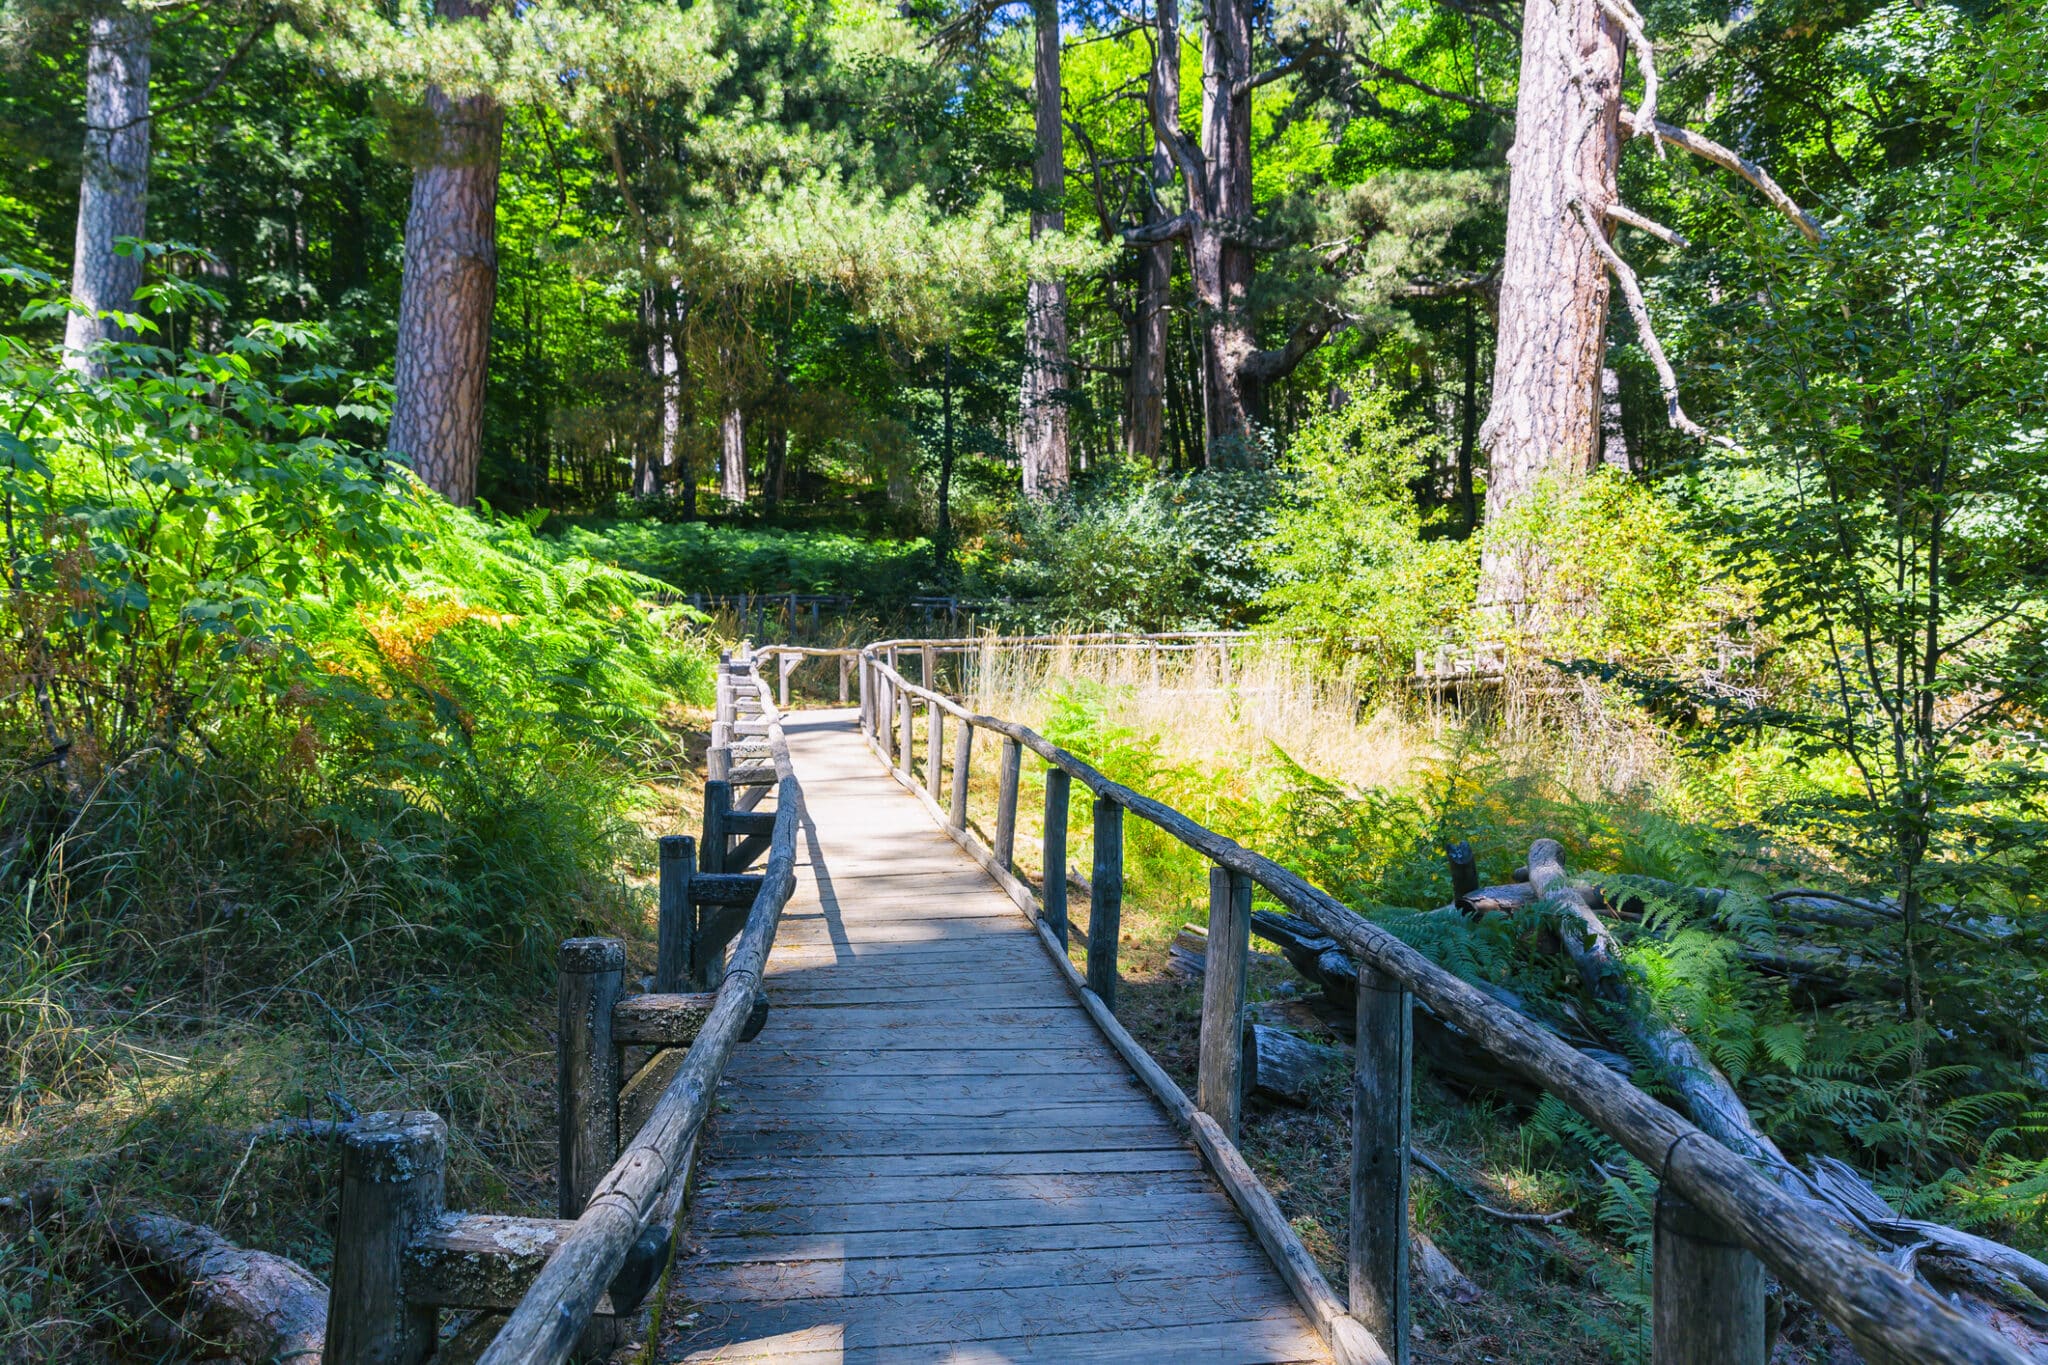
{"x": 626, "y": 1143}
{"x": 1708, "y": 1296}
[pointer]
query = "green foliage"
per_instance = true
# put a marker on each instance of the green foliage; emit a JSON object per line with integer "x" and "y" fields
{"x": 167, "y": 527}
{"x": 699, "y": 557}
{"x": 1349, "y": 558}
{"x": 1131, "y": 552}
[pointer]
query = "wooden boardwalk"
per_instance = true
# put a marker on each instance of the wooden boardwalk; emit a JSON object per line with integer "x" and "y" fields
{"x": 930, "y": 1153}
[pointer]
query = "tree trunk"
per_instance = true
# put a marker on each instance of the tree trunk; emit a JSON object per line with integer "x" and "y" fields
{"x": 732, "y": 448}
{"x": 1043, "y": 401}
{"x": 1223, "y": 267}
{"x": 774, "y": 459}
{"x": 1147, "y": 425}
{"x": 450, "y": 287}
{"x": 1553, "y": 283}
{"x": 113, "y": 188}
{"x": 1613, "y": 439}
{"x": 943, "y": 538}
{"x": 1468, "y": 435}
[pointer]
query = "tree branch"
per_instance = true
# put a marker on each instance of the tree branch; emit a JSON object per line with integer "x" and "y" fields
{"x": 1633, "y": 292}
{"x": 1164, "y": 230}
{"x": 1713, "y": 151}
{"x": 1403, "y": 78}
{"x": 1277, "y": 362}
{"x": 1622, "y": 213}
{"x": 1624, "y": 13}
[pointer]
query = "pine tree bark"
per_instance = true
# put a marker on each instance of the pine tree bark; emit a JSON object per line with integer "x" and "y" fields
{"x": 449, "y": 289}
{"x": 1544, "y": 419}
{"x": 113, "y": 189}
{"x": 1042, "y": 400}
{"x": 1222, "y": 266}
{"x": 732, "y": 447}
{"x": 1146, "y": 426}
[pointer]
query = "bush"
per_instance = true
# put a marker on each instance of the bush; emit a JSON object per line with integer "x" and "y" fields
{"x": 1134, "y": 552}
{"x": 729, "y": 560}
{"x": 1350, "y": 563}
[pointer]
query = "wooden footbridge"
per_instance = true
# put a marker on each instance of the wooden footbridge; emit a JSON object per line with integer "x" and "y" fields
{"x": 869, "y": 1110}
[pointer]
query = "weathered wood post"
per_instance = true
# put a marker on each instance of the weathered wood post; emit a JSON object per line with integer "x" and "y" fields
{"x": 1464, "y": 869}
{"x": 963, "y": 755}
{"x": 906, "y": 722}
{"x": 1106, "y": 900}
{"x": 391, "y": 1187}
{"x": 1707, "y": 1293}
{"x": 885, "y": 716}
{"x": 867, "y": 710}
{"x": 1219, "y": 1083}
{"x": 1058, "y": 792}
{"x": 928, "y": 668}
{"x": 1006, "y": 803}
{"x": 845, "y": 664}
{"x": 934, "y": 749}
{"x": 676, "y": 925}
{"x": 718, "y": 754}
{"x": 1379, "y": 1160}
{"x": 590, "y": 979}
{"x": 717, "y": 822}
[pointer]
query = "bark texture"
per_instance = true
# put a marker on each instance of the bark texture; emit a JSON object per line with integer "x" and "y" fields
{"x": 113, "y": 188}
{"x": 732, "y": 454}
{"x": 1042, "y": 400}
{"x": 450, "y": 287}
{"x": 1220, "y": 263}
{"x": 1545, "y": 416}
{"x": 1146, "y": 428}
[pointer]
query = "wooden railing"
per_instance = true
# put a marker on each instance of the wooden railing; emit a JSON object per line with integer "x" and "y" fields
{"x": 1717, "y": 1217}
{"x": 626, "y": 1140}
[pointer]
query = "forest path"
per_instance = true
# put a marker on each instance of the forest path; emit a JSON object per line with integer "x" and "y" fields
{"x": 931, "y": 1153}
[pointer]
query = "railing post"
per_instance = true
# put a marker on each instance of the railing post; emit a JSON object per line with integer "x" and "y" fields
{"x": 845, "y": 664}
{"x": 1106, "y": 900}
{"x": 590, "y": 979}
{"x": 782, "y": 670}
{"x": 717, "y": 807}
{"x": 718, "y": 754}
{"x": 963, "y": 755}
{"x": 1464, "y": 869}
{"x": 391, "y": 1186}
{"x": 867, "y": 710}
{"x": 1006, "y": 803}
{"x": 1707, "y": 1293}
{"x": 934, "y": 749}
{"x": 928, "y": 668}
{"x": 1379, "y": 1160}
{"x": 1058, "y": 790}
{"x": 1219, "y": 1088}
{"x": 676, "y": 928}
{"x": 906, "y": 761}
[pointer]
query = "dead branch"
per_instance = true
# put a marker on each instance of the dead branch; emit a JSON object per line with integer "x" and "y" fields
{"x": 1624, "y": 14}
{"x": 1434, "y": 1167}
{"x": 1622, "y": 213}
{"x": 1710, "y": 150}
{"x": 1667, "y": 379}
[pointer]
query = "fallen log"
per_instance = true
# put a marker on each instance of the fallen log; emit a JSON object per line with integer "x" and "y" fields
{"x": 1833, "y": 1187}
{"x": 250, "y": 1305}
{"x": 1285, "y": 1069}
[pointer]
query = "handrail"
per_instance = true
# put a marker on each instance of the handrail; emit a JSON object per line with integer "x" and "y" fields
{"x": 544, "y": 1327}
{"x": 1886, "y": 1314}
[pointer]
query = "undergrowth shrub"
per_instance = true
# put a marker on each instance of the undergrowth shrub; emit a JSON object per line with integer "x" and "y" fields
{"x": 1131, "y": 551}
{"x": 303, "y": 775}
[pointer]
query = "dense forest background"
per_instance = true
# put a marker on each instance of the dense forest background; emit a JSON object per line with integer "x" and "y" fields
{"x": 1618, "y": 425}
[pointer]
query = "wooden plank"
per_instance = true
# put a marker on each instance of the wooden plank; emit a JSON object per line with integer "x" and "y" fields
{"x": 1141, "y": 1234}
{"x": 833, "y": 1220}
{"x": 886, "y": 1092}
{"x": 973, "y": 1315}
{"x": 936, "y": 1140}
{"x": 1016, "y": 1111}
{"x": 893, "y": 1165}
{"x": 855, "y": 1187}
{"x": 778, "y": 1280}
{"x": 773, "y": 1060}
{"x": 1273, "y": 1340}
